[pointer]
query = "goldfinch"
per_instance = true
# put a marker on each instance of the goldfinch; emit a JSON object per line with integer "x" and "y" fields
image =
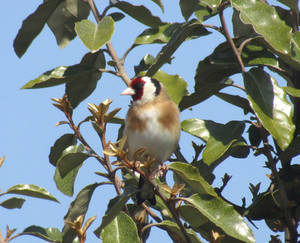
{"x": 152, "y": 123}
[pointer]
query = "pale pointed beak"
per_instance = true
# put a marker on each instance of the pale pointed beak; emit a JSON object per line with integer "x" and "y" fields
{"x": 128, "y": 91}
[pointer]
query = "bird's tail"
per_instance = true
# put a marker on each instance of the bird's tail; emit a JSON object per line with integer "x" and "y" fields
{"x": 146, "y": 192}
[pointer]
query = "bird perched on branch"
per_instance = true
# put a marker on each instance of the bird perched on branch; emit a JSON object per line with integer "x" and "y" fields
{"x": 152, "y": 123}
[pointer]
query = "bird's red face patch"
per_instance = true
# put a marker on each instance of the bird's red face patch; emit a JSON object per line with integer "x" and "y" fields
{"x": 138, "y": 85}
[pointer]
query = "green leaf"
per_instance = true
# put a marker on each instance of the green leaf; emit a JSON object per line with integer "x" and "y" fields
{"x": 70, "y": 160}
{"x": 81, "y": 87}
{"x": 85, "y": 72}
{"x": 273, "y": 29}
{"x": 175, "y": 233}
{"x": 114, "y": 207}
{"x": 94, "y": 36}
{"x": 254, "y": 136}
{"x": 187, "y": 8}
{"x": 159, "y": 3}
{"x": 63, "y": 19}
{"x": 236, "y": 100}
{"x": 221, "y": 140}
{"x": 47, "y": 234}
{"x": 12, "y": 203}
{"x": 60, "y": 145}
{"x": 66, "y": 184}
{"x": 220, "y": 213}
{"x": 78, "y": 207}
{"x": 117, "y": 16}
{"x": 175, "y": 86}
{"x": 188, "y": 30}
{"x": 139, "y": 13}
{"x": 292, "y": 91}
{"x": 33, "y": 25}
{"x": 191, "y": 176}
{"x": 206, "y": 9}
{"x": 32, "y": 191}
{"x": 121, "y": 229}
{"x": 269, "y": 103}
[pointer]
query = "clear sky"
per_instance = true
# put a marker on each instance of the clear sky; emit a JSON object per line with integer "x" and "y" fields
{"x": 27, "y": 124}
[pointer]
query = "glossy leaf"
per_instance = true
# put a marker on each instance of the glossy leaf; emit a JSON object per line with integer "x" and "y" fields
{"x": 66, "y": 184}
{"x": 121, "y": 229}
{"x": 236, "y": 100}
{"x": 139, "y": 13}
{"x": 273, "y": 29}
{"x": 220, "y": 213}
{"x": 175, "y": 85}
{"x": 114, "y": 208}
{"x": 220, "y": 141}
{"x": 94, "y": 36}
{"x": 32, "y": 191}
{"x": 60, "y": 145}
{"x": 85, "y": 83}
{"x": 12, "y": 203}
{"x": 192, "y": 177}
{"x": 78, "y": 207}
{"x": 70, "y": 160}
{"x": 175, "y": 233}
{"x": 269, "y": 102}
{"x": 47, "y": 234}
{"x": 192, "y": 28}
{"x": 33, "y": 25}
{"x": 63, "y": 19}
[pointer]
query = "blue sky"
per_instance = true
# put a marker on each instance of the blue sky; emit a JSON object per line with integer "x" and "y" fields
{"x": 27, "y": 125}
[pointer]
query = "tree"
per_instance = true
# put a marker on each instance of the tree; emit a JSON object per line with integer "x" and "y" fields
{"x": 264, "y": 43}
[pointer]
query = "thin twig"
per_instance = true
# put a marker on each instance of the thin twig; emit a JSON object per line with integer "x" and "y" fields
{"x": 151, "y": 213}
{"x": 212, "y": 27}
{"x": 108, "y": 71}
{"x": 126, "y": 53}
{"x": 237, "y": 86}
{"x": 230, "y": 41}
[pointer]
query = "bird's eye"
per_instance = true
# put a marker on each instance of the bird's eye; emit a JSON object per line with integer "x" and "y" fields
{"x": 138, "y": 86}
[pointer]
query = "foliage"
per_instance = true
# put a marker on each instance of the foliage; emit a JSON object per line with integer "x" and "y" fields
{"x": 265, "y": 43}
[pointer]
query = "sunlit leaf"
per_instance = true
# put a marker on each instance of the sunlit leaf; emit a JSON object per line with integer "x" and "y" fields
{"x": 32, "y": 191}
{"x": 220, "y": 213}
{"x": 48, "y": 234}
{"x": 121, "y": 229}
{"x": 94, "y": 36}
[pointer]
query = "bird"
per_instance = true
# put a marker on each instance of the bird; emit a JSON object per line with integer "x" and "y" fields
{"x": 153, "y": 123}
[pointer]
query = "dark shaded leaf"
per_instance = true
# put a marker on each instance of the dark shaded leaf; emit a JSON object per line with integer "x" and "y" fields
{"x": 254, "y": 135}
{"x": 192, "y": 28}
{"x": 236, "y": 100}
{"x": 121, "y": 229}
{"x": 114, "y": 207}
{"x": 269, "y": 103}
{"x": 117, "y": 16}
{"x": 60, "y": 145}
{"x": 192, "y": 177}
{"x": 175, "y": 233}
{"x": 66, "y": 184}
{"x": 206, "y": 9}
{"x": 159, "y": 3}
{"x": 94, "y": 36}
{"x": 187, "y": 8}
{"x": 63, "y": 19}
{"x": 33, "y": 25}
{"x": 81, "y": 87}
{"x": 12, "y": 203}
{"x": 139, "y": 13}
{"x": 220, "y": 213}
{"x": 32, "y": 191}
{"x": 47, "y": 234}
{"x": 78, "y": 207}
{"x": 84, "y": 72}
